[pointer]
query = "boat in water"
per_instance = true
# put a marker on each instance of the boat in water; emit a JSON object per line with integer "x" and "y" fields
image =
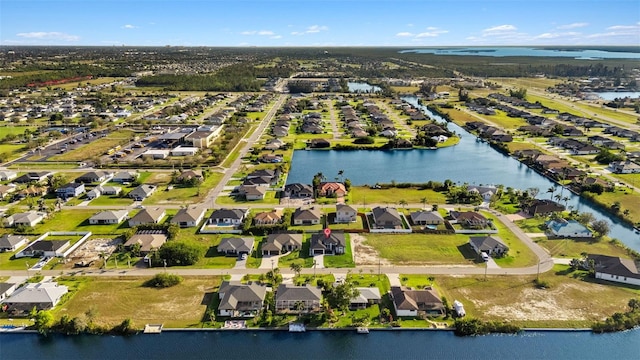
{"x": 297, "y": 327}
{"x": 362, "y": 330}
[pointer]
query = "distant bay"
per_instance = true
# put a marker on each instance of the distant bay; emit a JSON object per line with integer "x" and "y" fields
{"x": 576, "y": 53}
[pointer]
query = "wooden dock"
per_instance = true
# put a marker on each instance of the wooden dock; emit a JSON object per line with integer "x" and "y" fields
{"x": 153, "y": 328}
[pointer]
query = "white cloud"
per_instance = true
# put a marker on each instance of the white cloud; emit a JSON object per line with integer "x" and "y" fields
{"x": 553, "y": 35}
{"x": 315, "y": 29}
{"x": 433, "y": 32}
{"x": 499, "y": 30}
{"x": 259, "y": 32}
{"x": 573, "y": 26}
{"x": 409, "y": 25}
{"x": 128, "y": 26}
{"x": 311, "y": 30}
{"x": 51, "y": 35}
{"x": 276, "y": 37}
{"x": 619, "y": 31}
{"x": 404, "y": 34}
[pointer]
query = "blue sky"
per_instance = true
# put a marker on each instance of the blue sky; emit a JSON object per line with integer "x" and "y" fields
{"x": 319, "y": 22}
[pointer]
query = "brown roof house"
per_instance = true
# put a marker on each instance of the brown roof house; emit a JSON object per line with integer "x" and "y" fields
{"x": 148, "y": 216}
{"x": 298, "y": 299}
{"x": 149, "y": 240}
{"x": 276, "y": 244}
{"x": 311, "y": 216}
{"x": 234, "y": 246}
{"x": 409, "y": 302}
{"x": 241, "y": 300}
{"x": 188, "y": 217}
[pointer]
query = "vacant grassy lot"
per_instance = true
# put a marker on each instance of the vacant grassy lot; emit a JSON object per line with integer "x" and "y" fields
{"x": 575, "y": 248}
{"x": 567, "y": 302}
{"x": 115, "y": 299}
{"x": 183, "y": 195}
{"x": 628, "y": 201}
{"x": 14, "y": 130}
{"x": 420, "y": 249}
{"x": 97, "y": 147}
{"x": 78, "y": 220}
{"x": 365, "y": 195}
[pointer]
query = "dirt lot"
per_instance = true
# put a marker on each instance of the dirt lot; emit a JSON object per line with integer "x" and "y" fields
{"x": 364, "y": 254}
{"x": 91, "y": 250}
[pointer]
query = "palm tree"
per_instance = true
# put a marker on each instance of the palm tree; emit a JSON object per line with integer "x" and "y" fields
{"x": 424, "y": 202}
{"x": 297, "y": 268}
{"x": 558, "y": 197}
{"x": 551, "y": 190}
{"x": 340, "y": 174}
{"x": 565, "y": 199}
{"x": 403, "y": 202}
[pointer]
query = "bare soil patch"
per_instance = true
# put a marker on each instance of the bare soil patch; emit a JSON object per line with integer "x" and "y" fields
{"x": 365, "y": 254}
{"x": 91, "y": 250}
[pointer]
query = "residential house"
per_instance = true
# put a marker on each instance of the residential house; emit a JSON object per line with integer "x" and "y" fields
{"x": 10, "y": 243}
{"x": 272, "y": 217}
{"x": 386, "y": 218}
{"x": 424, "y": 217}
{"x": 469, "y": 219}
{"x": 94, "y": 193}
{"x": 6, "y": 289}
{"x": 7, "y": 175}
{"x": 6, "y": 190}
{"x": 235, "y": 246}
{"x": 110, "y": 190}
{"x": 228, "y": 217}
{"x": 543, "y": 207}
{"x": 142, "y": 192}
{"x": 109, "y": 217}
{"x": 188, "y": 217}
{"x": 490, "y": 245}
{"x": 190, "y": 175}
{"x": 298, "y": 191}
{"x": 94, "y": 177}
{"x": 41, "y": 296}
{"x": 366, "y": 296}
{"x": 409, "y": 302}
{"x": 567, "y": 229}
{"x": 613, "y": 268}
{"x": 298, "y": 299}
{"x": 319, "y": 143}
{"x": 336, "y": 189}
{"x": 29, "y": 218}
{"x": 485, "y": 191}
{"x": 345, "y": 213}
{"x": 125, "y": 177}
{"x": 241, "y": 300}
{"x": 252, "y": 192}
{"x": 311, "y": 216}
{"x": 148, "y": 240}
{"x": 31, "y": 177}
{"x": 148, "y": 216}
{"x": 322, "y": 244}
{"x": 625, "y": 167}
{"x": 70, "y": 190}
{"x": 275, "y": 244}
{"x": 45, "y": 248}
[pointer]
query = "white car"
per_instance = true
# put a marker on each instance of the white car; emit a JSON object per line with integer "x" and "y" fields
{"x": 485, "y": 256}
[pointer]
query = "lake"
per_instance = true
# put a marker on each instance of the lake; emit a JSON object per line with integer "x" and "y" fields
{"x": 275, "y": 345}
{"x": 575, "y": 53}
{"x": 469, "y": 162}
{"x": 610, "y": 95}
{"x": 362, "y": 87}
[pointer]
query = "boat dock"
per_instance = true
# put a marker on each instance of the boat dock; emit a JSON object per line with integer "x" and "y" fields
{"x": 153, "y": 328}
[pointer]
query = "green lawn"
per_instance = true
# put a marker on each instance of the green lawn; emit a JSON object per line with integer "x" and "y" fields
{"x": 115, "y": 299}
{"x": 628, "y": 201}
{"x": 111, "y": 200}
{"x": 299, "y": 256}
{"x": 184, "y": 195}
{"x": 341, "y": 261}
{"x": 421, "y": 249}
{"x": 365, "y": 195}
{"x": 269, "y": 198}
{"x": 519, "y": 254}
{"x": 78, "y": 220}
{"x": 14, "y": 130}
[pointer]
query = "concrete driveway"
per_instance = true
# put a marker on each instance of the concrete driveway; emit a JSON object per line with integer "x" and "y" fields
{"x": 241, "y": 264}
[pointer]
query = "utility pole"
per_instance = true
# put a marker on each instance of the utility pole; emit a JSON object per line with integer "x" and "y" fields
{"x": 486, "y": 267}
{"x": 379, "y": 268}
